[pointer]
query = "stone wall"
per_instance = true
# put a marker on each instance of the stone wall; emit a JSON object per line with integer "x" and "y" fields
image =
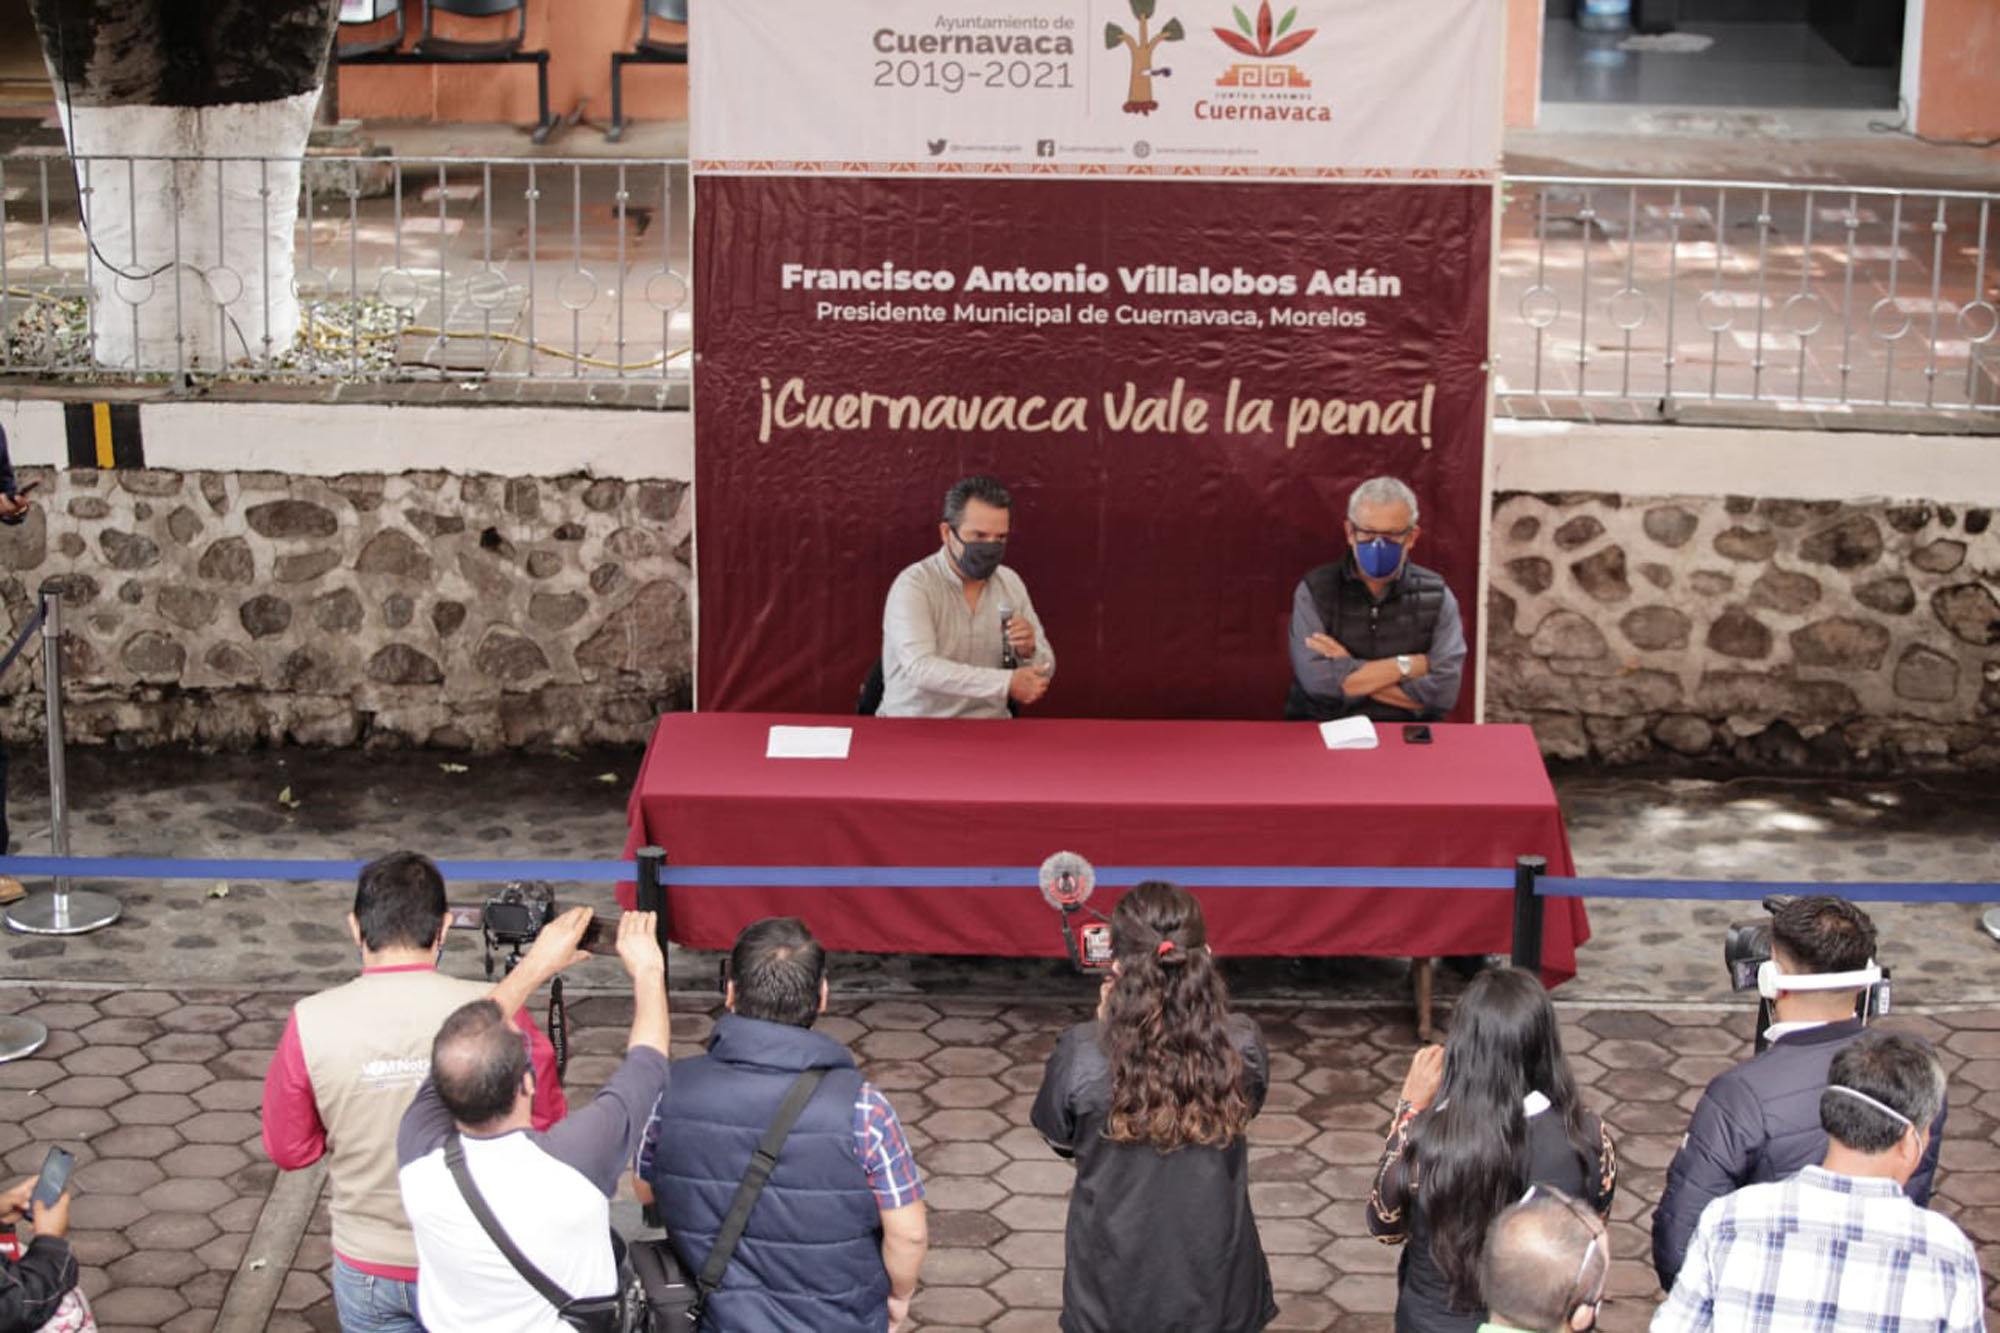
{"x": 460, "y": 611}
{"x": 1763, "y": 632}
{"x": 477, "y": 612}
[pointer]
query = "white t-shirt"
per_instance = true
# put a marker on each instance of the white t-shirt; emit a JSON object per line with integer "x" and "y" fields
{"x": 548, "y": 1190}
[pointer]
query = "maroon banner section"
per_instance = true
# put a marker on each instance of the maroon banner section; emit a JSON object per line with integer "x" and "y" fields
{"x": 1179, "y": 380}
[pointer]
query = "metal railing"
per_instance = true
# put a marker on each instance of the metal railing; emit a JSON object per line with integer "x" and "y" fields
{"x": 1647, "y": 292}
{"x": 404, "y": 268}
{"x": 1673, "y": 291}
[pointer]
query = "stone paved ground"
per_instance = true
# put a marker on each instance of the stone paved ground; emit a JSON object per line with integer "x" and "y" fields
{"x": 163, "y": 1024}
{"x": 573, "y": 806}
{"x": 158, "y": 1091}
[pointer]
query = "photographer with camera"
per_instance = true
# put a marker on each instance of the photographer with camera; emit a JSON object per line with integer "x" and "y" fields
{"x": 348, "y": 1067}
{"x": 513, "y": 1224}
{"x": 1760, "y": 1121}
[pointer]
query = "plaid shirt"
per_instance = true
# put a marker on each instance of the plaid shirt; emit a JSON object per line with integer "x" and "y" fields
{"x": 1825, "y": 1253}
{"x": 879, "y": 1146}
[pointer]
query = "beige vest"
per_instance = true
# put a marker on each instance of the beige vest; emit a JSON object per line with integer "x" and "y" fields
{"x": 367, "y": 1048}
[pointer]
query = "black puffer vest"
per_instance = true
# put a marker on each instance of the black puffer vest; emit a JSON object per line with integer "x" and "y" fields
{"x": 1402, "y": 622}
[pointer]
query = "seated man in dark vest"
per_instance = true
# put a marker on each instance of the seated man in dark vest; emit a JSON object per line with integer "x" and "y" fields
{"x": 835, "y": 1239}
{"x": 1373, "y": 634}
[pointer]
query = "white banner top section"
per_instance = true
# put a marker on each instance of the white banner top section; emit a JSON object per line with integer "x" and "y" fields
{"x": 1367, "y": 89}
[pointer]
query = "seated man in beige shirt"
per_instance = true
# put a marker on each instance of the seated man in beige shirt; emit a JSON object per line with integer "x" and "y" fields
{"x": 959, "y": 636}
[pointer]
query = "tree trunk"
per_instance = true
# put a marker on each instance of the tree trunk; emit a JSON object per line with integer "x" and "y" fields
{"x": 191, "y": 265}
{"x": 1139, "y": 92}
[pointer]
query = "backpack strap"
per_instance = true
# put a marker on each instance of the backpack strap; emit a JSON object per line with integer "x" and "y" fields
{"x": 762, "y": 1163}
{"x": 454, "y": 1158}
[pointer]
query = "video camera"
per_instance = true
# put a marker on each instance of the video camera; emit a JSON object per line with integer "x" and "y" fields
{"x": 513, "y": 916}
{"x": 1746, "y": 954}
{"x": 1067, "y": 881}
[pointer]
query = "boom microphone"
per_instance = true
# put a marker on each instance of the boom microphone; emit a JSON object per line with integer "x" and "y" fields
{"x": 1067, "y": 881}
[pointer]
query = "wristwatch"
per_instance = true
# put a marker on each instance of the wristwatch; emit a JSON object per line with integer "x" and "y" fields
{"x": 1403, "y": 664}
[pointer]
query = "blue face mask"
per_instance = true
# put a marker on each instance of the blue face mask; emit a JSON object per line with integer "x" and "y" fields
{"x": 1379, "y": 558}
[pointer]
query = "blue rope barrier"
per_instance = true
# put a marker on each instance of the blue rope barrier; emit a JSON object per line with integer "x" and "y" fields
{"x": 1751, "y": 890}
{"x": 974, "y": 877}
{"x": 724, "y": 877}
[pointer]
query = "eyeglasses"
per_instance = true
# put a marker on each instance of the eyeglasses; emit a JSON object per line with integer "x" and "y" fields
{"x": 1383, "y": 535}
{"x": 1590, "y": 1223}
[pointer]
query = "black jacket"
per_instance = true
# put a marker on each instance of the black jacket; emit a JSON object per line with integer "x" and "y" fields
{"x": 33, "y": 1286}
{"x": 1396, "y": 1208}
{"x": 1758, "y": 1122}
{"x": 1160, "y": 1242}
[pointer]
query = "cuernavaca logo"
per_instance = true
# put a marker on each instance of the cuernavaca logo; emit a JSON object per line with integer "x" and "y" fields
{"x": 1139, "y": 92}
{"x": 1264, "y": 42}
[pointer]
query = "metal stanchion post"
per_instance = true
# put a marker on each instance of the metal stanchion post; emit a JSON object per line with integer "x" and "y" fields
{"x": 59, "y": 912}
{"x": 1528, "y": 912}
{"x": 651, "y": 895}
{"x": 20, "y": 1037}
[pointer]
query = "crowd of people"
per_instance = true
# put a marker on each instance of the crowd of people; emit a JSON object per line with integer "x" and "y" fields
{"x": 467, "y": 1194}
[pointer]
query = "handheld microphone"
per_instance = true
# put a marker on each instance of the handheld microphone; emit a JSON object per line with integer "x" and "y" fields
{"x": 1009, "y": 659}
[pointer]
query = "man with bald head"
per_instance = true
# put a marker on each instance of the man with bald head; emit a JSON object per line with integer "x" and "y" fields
{"x": 468, "y": 1132}
{"x": 1544, "y": 1266}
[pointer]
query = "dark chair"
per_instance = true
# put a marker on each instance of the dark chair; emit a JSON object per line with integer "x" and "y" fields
{"x": 432, "y": 49}
{"x": 453, "y": 48}
{"x": 366, "y": 14}
{"x": 871, "y": 691}
{"x": 650, "y": 50}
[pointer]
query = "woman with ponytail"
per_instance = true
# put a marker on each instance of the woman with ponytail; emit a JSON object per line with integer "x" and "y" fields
{"x": 1492, "y": 1112}
{"x": 1154, "y": 1099}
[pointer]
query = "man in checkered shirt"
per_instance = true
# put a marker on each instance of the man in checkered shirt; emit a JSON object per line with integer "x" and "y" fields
{"x": 1839, "y": 1247}
{"x": 837, "y": 1236}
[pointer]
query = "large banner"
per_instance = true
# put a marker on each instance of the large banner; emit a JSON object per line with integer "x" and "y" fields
{"x": 1180, "y": 276}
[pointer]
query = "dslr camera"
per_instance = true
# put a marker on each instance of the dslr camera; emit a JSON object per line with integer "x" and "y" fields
{"x": 1746, "y": 947}
{"x": 512, "y": 917}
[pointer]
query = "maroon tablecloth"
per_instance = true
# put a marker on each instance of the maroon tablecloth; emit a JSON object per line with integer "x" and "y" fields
{"x": 1125, "y": 793}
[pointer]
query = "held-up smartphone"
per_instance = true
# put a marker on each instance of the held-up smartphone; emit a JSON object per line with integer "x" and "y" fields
{"x": 1416, "y": 733}
{"x": 52, "y": 1182}
{"x": 1096, "y": 944}
{"x": 23, "y": 490}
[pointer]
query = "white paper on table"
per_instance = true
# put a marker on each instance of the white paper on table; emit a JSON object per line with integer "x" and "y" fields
{"x": 1348, "y": 733}
{"x": 808, "y": 742}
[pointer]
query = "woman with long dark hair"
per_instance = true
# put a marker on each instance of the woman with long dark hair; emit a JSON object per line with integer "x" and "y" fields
{"x": 1492, "y": 1112}
{"x": 1153, "y": 1098}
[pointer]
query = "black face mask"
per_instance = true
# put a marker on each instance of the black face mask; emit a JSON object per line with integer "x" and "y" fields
{"x": 978, "y": 560}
